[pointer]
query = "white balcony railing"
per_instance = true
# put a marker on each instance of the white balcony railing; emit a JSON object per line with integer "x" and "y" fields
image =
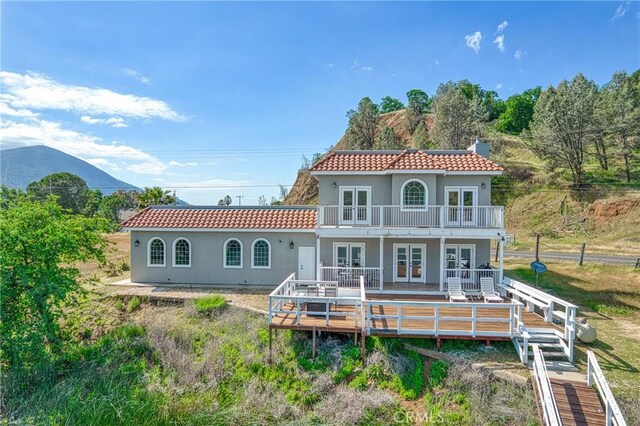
{"x": 470, "y": 278}
{"x": 412, "y": 217}
{"x": 349, "y": 277}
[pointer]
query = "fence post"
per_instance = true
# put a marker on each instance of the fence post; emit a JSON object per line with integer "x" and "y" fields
{"x": 584, "y": 245}
{"x": 638, "y": 263}
{"x": 537, "y": 247}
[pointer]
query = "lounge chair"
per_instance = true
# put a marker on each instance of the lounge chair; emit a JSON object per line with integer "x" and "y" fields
{"x": 488, "y": 291}
{"x": 455, "y": 290}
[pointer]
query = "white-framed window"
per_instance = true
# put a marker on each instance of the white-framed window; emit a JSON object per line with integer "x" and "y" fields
{"x": 156, "y": 252}
{"x": 261, "y": 254}
{"x": 414, "y": 194}
{"x": 232, "y": 253}
{"x": 181, "y": 253}
{"x": 349, "y": 255}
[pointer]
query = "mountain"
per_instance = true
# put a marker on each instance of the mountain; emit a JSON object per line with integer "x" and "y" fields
{"x": 21, "y": 166}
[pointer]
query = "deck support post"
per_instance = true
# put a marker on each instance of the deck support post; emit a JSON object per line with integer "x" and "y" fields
{"x": 270, "y": 346}
{"x": 442, "y": 264}
{"x": 363, "y": 350}
{"x": 313, "y": 344}
{"x": 488, "y": 342}
{"x": 355, "y": 339}
{"x": 438, "y": 341}
{"x": 381, "y": 264}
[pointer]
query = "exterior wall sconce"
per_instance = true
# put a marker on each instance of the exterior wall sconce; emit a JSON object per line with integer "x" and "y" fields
{"x": 334, "y": 185}
{"x": 483, "y": 186}
{"x": 136, "y": 243}
{"x": 291, "y": 245}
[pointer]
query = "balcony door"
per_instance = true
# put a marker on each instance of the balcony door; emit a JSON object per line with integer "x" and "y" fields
{"x": 461, "y": 203}
{"x": 349, "y": 255}
{"x": 409, "y": 263}
{"x": 355, "y": 205}
{"x": 459, "y": 260}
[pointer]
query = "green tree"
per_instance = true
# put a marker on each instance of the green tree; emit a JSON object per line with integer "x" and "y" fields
{"x": 453, "y": 117}
{"x": 389, "y": 104}
{"x": 111, "y": 205}
{"x": 362, "y": 125}
{"x": 518, "y": 112}
{"x": 94, "y": 199}
{"x": 563, "y": 125}
{"x": 225, "y": 201}
{"x": 39, "y": 245}
{"x": 619, "y": 113}
{"x": 155, "y": 196}
{"x": 420, "y": 137}
{"x": 387, "y": 140}
{"x": 417, "y": 104}
{"x": 71, "y": 190}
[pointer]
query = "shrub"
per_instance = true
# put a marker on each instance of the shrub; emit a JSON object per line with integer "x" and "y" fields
{"x": 124, "y": 266}
{"x": 438, "y": 372}
{"x": 133, "y": 304}
{"x": 210, "y": 305}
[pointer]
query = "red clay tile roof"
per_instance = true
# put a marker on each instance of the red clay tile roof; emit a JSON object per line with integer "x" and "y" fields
{"x": 223, "y": 218}
{"x": 381, "y": 161}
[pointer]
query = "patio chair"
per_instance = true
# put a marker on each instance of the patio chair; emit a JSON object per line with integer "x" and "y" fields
{"x": 331, "y": 291}
{"x": 455, "y": 290}
{"x": 488, "y": 291}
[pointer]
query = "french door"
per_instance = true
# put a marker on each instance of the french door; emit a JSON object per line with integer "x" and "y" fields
{"x": 409, "y": 263}
{"x": 355, "y": 205}
{"x": 460, "y": 259}
{"x": 461, "y": 206}
{"x": 349, "y": 255}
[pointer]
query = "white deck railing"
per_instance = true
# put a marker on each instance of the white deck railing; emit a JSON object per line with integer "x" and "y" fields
{"x": 513, "y": 318}
{"x": 292, "y": 291}
{"x": 470, "y": 278}
{"x": 553, "y": 308}
{"x": 595, "y": 375}
{"x": 412, "y": 217}
{"x": 550, "y": 411}
{"x": 349, "y": 277}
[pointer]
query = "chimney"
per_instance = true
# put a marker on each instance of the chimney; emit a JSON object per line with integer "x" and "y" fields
{"x": 480, "y": 148}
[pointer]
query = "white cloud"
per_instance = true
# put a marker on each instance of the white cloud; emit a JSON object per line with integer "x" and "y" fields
{"x": 102, "y": 163}
{"x": 22, "y": 113}
{"x": 366, "y": 69}
{"x": 82, "y": 145}
{"x": 499, "y": 42}
{"x": 112, "y": 121}
{"x": 498, "y": 86}
{"x": 355, "y": 66}
{"x": 39, "y": 92}
{"x": 135, "y": 74}
{"x": 174, "y": 163}
{"x": 621, "y": 11}
{"x": 331, "y": 65}
{"x": 502, "y": 26}
{"x": 437, "y": 62}
{"x": 473, "y": 40}
{"x": 519, "y": 54}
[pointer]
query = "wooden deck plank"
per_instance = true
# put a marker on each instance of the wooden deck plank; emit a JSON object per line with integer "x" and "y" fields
{"x": 578, "y": 403}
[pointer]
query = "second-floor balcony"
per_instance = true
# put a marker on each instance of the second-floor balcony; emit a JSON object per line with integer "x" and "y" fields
{"x": 412, "y": 217}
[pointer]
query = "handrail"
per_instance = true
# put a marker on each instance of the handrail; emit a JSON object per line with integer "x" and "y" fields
{"x": 545, "y": 392}
{"x": 349, "y": 276}
{"x": 437, "y": 318}
{"x": 363, "y": 300}
{"x": 546, "y": 302}
{"x": 594, "y": 374}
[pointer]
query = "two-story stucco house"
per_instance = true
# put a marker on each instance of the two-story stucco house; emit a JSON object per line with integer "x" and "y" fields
{"x": 410, "y": 218}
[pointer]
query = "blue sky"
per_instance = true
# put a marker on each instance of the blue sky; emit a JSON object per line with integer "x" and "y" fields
{"x": 224, "y": 98}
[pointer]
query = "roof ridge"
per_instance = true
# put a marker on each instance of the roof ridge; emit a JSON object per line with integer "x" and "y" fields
{"x": 322, "y": 160}
{"x": 135, "y": 215}
{"x": 398, "y": 158}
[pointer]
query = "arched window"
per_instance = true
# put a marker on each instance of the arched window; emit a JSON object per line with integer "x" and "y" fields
{"x": 261, "y": 254}
{"x": 155, "y": 252}
{"x": 414, "y": 194}
{"x": 232, "y": 253}
{"x": 181, "y": 253}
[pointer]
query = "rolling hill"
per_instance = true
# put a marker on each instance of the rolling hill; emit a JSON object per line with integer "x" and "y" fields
{"x": 21, "y": 166}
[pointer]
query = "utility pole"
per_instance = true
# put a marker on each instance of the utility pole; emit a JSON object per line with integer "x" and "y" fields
{"x": 239, "y": 197}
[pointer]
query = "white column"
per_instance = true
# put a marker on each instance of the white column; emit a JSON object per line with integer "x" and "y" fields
{"x": 501, "y": 259}
{"x": 381, "y": 264}
{"x": 442, "y": 263}
{"x": 318, "y": 270}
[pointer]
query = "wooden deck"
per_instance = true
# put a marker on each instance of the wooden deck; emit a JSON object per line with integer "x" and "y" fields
{"x": 453, "y": 318}
{"x": 578, "y": 403}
